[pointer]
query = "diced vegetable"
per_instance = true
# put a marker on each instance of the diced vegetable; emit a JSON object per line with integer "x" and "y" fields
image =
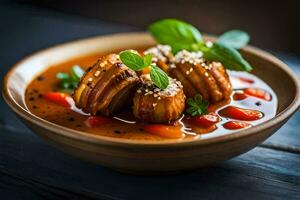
{"x": 58, "y": 98}
{"x": 241, "y": 113}
{"x": 164, "y": 131}
{"x": 233, "y": 125}
{"x": 258, "y": 93}
{"x": 205, "y": 120}
{"x": 94, "y": 121}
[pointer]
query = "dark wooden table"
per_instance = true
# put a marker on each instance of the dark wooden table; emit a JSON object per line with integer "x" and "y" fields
{"x": 31, "y": 169}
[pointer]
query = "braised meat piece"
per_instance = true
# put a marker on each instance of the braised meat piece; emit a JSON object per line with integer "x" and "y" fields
{"x": 105, "y": 86}
{"x": 152, "y": 104}
{"x": 209, "y": 79}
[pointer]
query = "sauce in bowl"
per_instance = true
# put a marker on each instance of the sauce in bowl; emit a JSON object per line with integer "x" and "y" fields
{"x": 252, "y": 102}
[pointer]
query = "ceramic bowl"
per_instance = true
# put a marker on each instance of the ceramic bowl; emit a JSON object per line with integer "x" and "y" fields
{"x": 146, "y": 157}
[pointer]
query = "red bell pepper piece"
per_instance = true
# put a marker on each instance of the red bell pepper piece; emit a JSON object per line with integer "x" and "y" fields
{"x": 94, "y": 121}
{"x": 233, "y": 125}
{"x": 205, "y": 121}
{"x": 239, "y": 95}
{"x": 58, "y": 98}
{"x": 259, "y": 93}
{"x": 241, "y": 113}
{"x": 164, "y": 130}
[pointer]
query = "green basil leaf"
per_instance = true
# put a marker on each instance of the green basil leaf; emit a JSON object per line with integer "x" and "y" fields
{"x": 197, "y": 106}
{"x": 70, "y": 81}
{"x": 159, "y": 77}
{"x": 77, "y": 71}
{"x": 180, "y": 46}
{"x": 62, "y": 76}
{"x": 147, "y": 60}
{"x": 132, "y": 60}
{"x": 65, "y": 84}
{"x": 175, "y": 33}
{"x": 228, "y": 56}
{"x": 235, "y": 38}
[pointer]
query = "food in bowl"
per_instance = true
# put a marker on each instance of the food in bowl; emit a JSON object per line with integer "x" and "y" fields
{"x": 181, "y": 88}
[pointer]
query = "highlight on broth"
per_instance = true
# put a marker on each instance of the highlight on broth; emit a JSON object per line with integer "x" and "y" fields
{"x": 183, "y": 87}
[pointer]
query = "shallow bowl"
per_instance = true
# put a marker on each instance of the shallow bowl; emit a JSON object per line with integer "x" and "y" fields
{"x": 147, "y": 157}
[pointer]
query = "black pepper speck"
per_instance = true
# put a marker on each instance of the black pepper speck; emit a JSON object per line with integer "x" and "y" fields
{"x": 40, "y": 78}
{"x": 71, "y": 119}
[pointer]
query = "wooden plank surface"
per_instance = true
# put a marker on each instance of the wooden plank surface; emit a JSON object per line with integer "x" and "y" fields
{"x": 29, "y": 161}
{"x": 31, "y": 169}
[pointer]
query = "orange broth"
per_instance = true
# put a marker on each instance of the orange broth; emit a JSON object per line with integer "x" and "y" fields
{"x": 123, "y": 124}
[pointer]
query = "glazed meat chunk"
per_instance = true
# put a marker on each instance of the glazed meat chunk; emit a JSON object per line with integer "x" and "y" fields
{"x": 105, "y": 87}
{"x": 152, "y": 104}
{"x": 197, "y": 75}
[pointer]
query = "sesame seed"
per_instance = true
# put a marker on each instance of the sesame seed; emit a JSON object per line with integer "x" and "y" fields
{"x": 218, "y": 64}
{"x": 172, "y": 66}
{"x": 90, "y": 79}
{"x": 190, "y": 57}
{"x": 191, "y": 69}
{"x": 187, "y": 72}
{"x": 154, "y": 104}
{"x": 139, "y": 91}
{"x": 97, "y": 73}
{"x": 160, "y": 52}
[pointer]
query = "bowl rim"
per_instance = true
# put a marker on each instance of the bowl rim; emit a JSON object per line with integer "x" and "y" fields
{"x": 121, "y": 142}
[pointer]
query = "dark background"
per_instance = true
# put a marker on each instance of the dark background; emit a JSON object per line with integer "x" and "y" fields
{"x": 273, "y": 25}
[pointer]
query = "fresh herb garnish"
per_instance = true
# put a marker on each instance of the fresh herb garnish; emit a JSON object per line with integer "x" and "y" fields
{"x": 147, "y": 60}
{"x": 69, "y": 81}
{"x": 197, "y": 106}
{"x": 135, "y": 62}
{"x": 159, "y": 77}
{"x": 228, "y": 56}
{"x": 235, "y": 38}
{"x": 132, "y": 60}
{"x": 180, "y": 35}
